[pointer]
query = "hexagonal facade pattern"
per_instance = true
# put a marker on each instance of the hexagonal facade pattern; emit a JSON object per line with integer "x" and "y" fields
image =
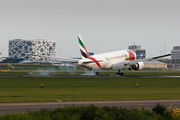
{"x": 19, "y": 48}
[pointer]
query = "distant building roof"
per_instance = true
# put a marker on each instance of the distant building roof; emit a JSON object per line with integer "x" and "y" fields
{"x": 176, "y": 48}
{"x": 135, "y": 47}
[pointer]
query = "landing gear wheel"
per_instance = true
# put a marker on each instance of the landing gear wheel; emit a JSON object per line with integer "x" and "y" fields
{"x": 97, "y": 73}
{"x": 119, "y": 73}
{"x": 122, "y": 74}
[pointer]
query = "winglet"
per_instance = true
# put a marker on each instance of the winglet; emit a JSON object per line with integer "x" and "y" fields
{"x": 83, "y": 50}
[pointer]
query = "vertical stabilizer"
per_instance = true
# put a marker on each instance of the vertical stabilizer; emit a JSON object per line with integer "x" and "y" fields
{"x": 83, "y": 50}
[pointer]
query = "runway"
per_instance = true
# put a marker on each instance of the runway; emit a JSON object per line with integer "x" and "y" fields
{"x": 6, "y": 108}
{"x": 84, "y": 76}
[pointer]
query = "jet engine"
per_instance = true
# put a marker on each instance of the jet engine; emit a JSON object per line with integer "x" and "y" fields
{"x": 138, "y": 66}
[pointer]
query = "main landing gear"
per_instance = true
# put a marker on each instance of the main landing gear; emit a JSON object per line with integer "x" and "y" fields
{"x": 119, "y": 73}
{"x": 97, "y": 73}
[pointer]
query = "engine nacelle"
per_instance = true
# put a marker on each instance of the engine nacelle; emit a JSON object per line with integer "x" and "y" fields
{"x": 138, "y": 66}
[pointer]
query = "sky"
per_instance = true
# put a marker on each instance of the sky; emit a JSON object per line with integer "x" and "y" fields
{"x": 105, "y": 25}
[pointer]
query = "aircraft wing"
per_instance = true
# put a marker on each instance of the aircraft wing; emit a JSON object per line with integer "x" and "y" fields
{"x": 147, "y": 59}
{"x": 121, "y": 65}
{"x": 61, "y": 59}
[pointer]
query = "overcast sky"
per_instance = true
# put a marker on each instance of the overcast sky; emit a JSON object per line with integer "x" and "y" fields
{"x": 105, "y": 25}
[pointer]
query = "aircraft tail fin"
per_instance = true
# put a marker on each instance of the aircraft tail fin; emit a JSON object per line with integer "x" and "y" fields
{"x": 83, "y": 50}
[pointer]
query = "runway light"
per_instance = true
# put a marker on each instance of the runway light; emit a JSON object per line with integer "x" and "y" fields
{"x": 41, "y": 85}
{"x": 137, "y": 85}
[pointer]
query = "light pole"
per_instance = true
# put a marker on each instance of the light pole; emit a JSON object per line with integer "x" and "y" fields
{"x": 164, "y": 48}
{"x": 2, "y": 52}
{"x": 59, "y": 52}
{"x": 160, "y": 54}
{"x": 164, "y": 54}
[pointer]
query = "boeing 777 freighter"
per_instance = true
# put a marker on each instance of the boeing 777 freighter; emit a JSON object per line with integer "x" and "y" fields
{"x": 111, "y": 60}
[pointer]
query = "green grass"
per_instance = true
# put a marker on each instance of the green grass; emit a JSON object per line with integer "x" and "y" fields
{"x": 21, "y": 89}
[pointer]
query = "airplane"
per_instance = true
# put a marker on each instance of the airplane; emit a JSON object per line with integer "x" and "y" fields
{"x": 115, "y": 60}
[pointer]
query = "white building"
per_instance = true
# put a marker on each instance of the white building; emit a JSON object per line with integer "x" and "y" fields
{"x": 175, "y": 54}
{"x": 19, "y": 48}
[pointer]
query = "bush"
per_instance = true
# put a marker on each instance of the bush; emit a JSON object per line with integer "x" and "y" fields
{"x": 159, "y": 109}
{"x": 89, "y": 113}
{"x": 95, "y": 113}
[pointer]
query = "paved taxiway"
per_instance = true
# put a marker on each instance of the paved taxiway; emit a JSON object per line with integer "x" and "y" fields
{"x": 24, "y": 107}
{"x": 81, "y": 76}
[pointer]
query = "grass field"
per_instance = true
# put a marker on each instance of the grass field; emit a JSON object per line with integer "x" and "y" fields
{"x": 21, "y": 89}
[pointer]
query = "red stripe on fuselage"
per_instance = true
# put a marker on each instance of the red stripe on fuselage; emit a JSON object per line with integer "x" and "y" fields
{"x": 97, "y": 63}
{"x": 131, "y": 55}
{"x": 93, "y": 59}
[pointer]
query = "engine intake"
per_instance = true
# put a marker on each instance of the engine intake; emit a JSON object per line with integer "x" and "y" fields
{"x": 138, "y": 66}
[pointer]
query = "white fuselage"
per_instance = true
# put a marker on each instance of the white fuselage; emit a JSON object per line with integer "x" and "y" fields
{"x": 106, "y": 60}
